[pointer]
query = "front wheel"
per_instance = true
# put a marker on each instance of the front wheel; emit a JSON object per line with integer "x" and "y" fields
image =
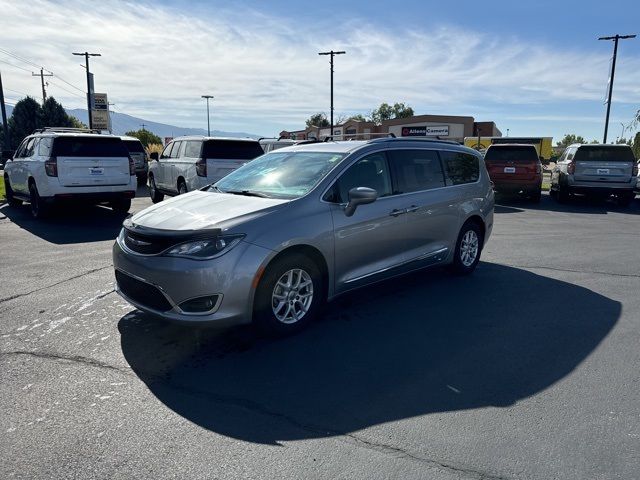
{"x": 468, "y": 248}
{"x": 8, "y": 191}
{"x": 155, "y": 195}
{"x": 290, "y": 295}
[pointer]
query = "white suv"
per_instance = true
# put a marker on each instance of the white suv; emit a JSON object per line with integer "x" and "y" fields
{"x": 54, "y": 165}
{"x": 190, "y": 163}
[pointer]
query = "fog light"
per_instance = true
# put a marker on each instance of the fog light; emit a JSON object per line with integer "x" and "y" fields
{"x": 199, "y": 304}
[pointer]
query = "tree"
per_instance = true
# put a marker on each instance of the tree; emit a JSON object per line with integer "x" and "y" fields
{"x": 388, "y": 112}
{"x": 358, "y": 118}
{"x": 26, "y": 117}
{"x": 53, "y": 114}
{"x": 145, "y": 136}
{"x": 317, "y": 120}
{"x": 636, "y": 145}
{"x": 570, "y": 138}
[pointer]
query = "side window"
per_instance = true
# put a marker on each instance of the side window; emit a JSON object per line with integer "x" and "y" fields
{"x": 416, "y": 170}
{"x": 371, "y": 171}
{"x": 44, "y": 149}
{"x": 571, "y": 153}
{"x": 166, "y": 153}
{"x": 28, "y": 149}
{"x": 460, "y": 167}
{"x": 20, "y": 150}
{"x": 176, "y": 150}
{"x": 193, "y": 149}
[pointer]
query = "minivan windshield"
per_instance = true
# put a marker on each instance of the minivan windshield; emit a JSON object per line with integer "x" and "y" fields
{"x": 593, "y": 153}
{"x": 280, "y": 174}
{"x": 515, "y": 153}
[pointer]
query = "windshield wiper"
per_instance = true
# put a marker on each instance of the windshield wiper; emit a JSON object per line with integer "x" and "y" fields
{"x": 246, "y": 193}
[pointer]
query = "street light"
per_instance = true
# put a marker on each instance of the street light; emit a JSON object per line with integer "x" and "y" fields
{"x": 332, "y": 53}
{"x": 208, "y": 122}
{"x": 615, "y": 39}
{"x": 86, "y": 56}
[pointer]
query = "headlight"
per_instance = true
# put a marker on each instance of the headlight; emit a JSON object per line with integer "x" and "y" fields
{"x": 206, "y": 248}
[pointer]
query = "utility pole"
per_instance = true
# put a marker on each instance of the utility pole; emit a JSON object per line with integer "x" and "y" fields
{"x": 615, "y": 39}
{"x": 332, "y": 53}
{"x": 143, "y": 125}
{"x": 42, "y": 75}
{"x": 86, "y": 56}
{"x": 5, "y": 127}
{"x": 208, "y": 122}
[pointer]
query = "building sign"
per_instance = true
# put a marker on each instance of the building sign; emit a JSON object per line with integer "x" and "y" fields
{"x": 426, "y": 131}
{"x": 100, "y": 101}
{"x": 100, "y": 119}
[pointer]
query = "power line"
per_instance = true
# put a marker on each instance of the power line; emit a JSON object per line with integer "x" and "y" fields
{"x": 16, "y": 66}
{"x": 66, "y": 90}
{"x": 19, "y": 58}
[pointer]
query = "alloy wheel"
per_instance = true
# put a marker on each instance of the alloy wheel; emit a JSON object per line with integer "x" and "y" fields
{"x": 292, "y": 296}
{"x": 469, "y": 248}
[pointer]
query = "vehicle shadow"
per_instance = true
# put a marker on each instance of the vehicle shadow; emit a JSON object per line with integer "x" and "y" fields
{"x": 69, "y": 224}
{"x": 424, "y": 344}
{"x": 576, "y": 204}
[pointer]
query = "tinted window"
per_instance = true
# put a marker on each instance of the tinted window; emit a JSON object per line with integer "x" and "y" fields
{"x": 192, "y": 150}
{"x": 416, "y": 170}
{"x": 460, "y": 167}
{"x": 231, "y": 149}
{"x": 44, "y": 148}
{"x": 371, "y": 171}
{"x": 134, "y": 146}
{"x": 604, "y": 154}
{"x": 512, "y": 154}
{"x": 89, "y": 147}
{"x": 175, "y": 152}
{"x": 166, "y": 153}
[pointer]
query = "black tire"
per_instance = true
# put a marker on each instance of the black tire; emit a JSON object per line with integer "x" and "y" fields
{"x": 155, "y": 195}
{"x": 264, "y": 316}
{"x": 142, "y": 179}
{"x": 8, "y": 192}
{"x": 122, "y": 205}
{"x": 625, "y": 199}
{"x": 563, "y": 194}
{"x": 39, "y": 209}
{"x": 536, "y": 196}
{"x": 460, "y": 265}
{"x": 182, "y": 187}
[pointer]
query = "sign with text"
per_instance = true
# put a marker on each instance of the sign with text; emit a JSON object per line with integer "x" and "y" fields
{"x": 426, "y": 131}
{"x": 100, "y": 119}
{"x": 100, "y": 101}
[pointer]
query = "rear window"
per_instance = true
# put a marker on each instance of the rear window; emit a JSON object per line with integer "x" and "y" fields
{"x": 89, "y": 147}
{"x": 604, "y": 154}
{"x": 134, "y": 146}
{"x": 231, "y": 149}
{"x": 512, "y": 154}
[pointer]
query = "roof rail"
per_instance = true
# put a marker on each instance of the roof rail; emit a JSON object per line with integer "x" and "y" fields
{"x": 66, "y": 130}
{"x": 416, "y": 139}
{"x": 386, "y": 135}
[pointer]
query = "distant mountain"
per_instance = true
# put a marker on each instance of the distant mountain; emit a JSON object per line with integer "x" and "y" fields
{"x": 123, "y": 123}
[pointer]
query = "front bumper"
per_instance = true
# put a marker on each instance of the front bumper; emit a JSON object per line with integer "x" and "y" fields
{"x": 230, "y": 277}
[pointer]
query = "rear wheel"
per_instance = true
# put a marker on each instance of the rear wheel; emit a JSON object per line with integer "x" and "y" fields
{"x": 155, "y": 195}
{"x": 39, "y": 209}
{"x": 290, "y": 295}
{"x": 468, "y": 248}
{"x": 8, "y": 191}
{"x": 563, "y": 194}
{"x": 122, "y": 205}
{"x": 142, "y": 179}
{"x": 536, "y": 196}
{"x": 625, "y": 199}
{"x": 182, "y": 187}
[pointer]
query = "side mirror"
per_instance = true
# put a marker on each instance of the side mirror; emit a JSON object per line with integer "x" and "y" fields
{"x": 154, "y": 156}
{"x": 359, "y": 196}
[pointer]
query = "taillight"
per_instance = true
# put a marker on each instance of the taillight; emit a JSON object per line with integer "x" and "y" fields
{"x": 132, "y": 166}
{"x": 538, "y": 168}
{"x": 201, "y": 167}
{"x": 51, "y": 167}
{"x": 571, "y": 168}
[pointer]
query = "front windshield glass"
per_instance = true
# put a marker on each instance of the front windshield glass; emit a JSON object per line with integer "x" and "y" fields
{"x": 280, "y": 174}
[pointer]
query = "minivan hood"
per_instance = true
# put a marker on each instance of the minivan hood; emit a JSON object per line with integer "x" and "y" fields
{"x": 198, "y": 210}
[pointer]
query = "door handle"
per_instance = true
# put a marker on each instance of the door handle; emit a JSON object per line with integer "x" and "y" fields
{"x": 412, "y": 208}
{"x": 396, "y": 212}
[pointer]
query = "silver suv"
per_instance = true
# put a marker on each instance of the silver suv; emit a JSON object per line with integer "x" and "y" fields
{"x": 275, "y": 239}
{"x": 595, "y": 170}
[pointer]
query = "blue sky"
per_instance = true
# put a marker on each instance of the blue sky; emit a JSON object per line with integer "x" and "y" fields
{"x": 534, "y": 68}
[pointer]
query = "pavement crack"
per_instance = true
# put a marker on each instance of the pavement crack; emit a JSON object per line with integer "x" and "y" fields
{"x": 68, "y": 358}
{"x": 89, "y": 272}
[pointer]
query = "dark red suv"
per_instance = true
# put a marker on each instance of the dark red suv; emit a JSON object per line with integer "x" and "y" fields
{"x": 515, "y": 168}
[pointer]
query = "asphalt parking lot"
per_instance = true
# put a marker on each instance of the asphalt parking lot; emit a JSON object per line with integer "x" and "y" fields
{"x": 526, "y": 369}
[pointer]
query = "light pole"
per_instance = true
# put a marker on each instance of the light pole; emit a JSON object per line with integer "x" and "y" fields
{"x": 615, "y": 39}
{"x": 86, "y": 56}
{"x": 332, "y": 53}
{"x": 208, "y": 122}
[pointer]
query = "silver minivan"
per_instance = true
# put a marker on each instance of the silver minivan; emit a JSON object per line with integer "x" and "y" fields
{"x": 275, "y": 239}
{"x": 189, "y": 163}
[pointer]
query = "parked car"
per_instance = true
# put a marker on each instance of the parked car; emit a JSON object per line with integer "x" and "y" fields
{"x": 515, "y": 168}
{"x": 190, "y": 163}
{"x": 270, "y": 144}
{"x": 596, "y": 170}
{"x": 276, "y": 238}
{"x": 140, "y": 158}
{"x": 638, "y": 177}
{"x": 66, "y": 164}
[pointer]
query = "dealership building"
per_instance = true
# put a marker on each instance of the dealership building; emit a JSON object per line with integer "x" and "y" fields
{"x": 445, "y": 127}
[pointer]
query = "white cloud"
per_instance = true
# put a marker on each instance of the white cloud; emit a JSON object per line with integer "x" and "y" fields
{"x": 265, "y": 72}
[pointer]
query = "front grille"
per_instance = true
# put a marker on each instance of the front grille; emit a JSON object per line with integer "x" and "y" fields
{"x": 145, "y": 244}
{"x": 142, "y": 293}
